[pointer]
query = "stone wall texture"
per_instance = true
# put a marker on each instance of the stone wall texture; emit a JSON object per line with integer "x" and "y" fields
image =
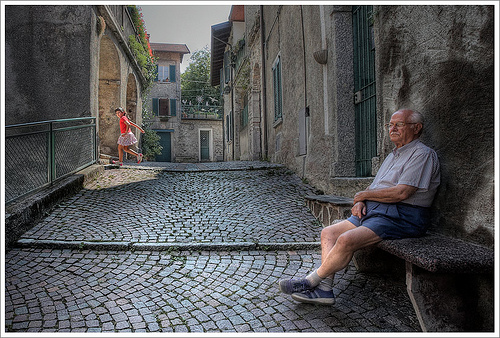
{"x": 47, "y": 70}
{"x": 439, "y": 60}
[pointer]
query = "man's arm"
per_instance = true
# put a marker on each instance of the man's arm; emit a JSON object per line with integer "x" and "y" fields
{"x": 386, "y": 195}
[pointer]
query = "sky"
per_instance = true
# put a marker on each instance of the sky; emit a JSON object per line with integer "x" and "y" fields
{"x": 185, "y": 24}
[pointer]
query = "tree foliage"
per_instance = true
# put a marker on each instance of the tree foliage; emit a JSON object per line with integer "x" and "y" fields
{"x": 195, "y": 81}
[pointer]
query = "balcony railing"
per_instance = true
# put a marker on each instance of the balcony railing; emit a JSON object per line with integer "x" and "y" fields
{"x": 201, "y": 112}
{"x": 39, "y": 153}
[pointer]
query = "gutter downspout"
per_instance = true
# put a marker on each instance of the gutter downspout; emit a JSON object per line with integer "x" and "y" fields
{"x": 223, "y": 133}
{"x": 232, "y": 105}
{"x": 305, "y": 90}
{"x": 263, "y": 79}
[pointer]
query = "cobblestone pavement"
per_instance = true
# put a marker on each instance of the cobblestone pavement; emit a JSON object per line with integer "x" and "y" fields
{"x": 187, "y": 248}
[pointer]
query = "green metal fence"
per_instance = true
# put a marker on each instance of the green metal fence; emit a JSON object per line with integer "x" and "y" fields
{"x": 39, "y": 153}
{"x": 201, "y": 111}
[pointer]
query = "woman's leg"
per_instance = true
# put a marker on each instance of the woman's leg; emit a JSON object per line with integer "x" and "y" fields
{"x": 120, "y": 153}
{"x": 130, "y": 151}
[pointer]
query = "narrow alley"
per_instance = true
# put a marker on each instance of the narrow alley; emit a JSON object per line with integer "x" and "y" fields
{"x": 187, "y": 248}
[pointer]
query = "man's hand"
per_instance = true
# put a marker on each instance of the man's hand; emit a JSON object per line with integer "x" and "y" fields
{"x": 359, "y": 209}
{"x": 360, "y": 197}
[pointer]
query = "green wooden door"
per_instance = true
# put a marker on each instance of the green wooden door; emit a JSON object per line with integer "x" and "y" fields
{"x": 364, "y": 89}
{"x": 165, "y": 142}
{"x": 205, "y": 145}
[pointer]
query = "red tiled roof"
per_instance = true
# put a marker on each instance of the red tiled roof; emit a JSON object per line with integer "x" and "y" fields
{"x": 237, "y": 13}
{"x": 170, "y": 47}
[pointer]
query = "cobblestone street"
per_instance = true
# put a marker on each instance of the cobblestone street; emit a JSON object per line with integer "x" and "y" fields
{"x": 187, "y": 248}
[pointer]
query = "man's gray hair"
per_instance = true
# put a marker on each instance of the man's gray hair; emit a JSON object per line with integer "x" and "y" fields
{"x": 416, "y": 117}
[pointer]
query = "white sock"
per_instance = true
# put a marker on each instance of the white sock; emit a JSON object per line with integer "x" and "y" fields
{"x": 313, "y": 278}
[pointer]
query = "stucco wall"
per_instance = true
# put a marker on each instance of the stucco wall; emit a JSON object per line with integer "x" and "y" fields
{"x": 48, "y": 57}
{"x": 188, "y": 140}
{"x": 439, "y": 60}
{"x": 296, "y": 33}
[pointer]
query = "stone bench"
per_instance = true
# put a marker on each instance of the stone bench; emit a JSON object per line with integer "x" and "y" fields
{"x": 450, "y": 282}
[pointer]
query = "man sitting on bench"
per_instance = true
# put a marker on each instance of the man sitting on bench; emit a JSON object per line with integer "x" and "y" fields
{"x": 396, "y": 205}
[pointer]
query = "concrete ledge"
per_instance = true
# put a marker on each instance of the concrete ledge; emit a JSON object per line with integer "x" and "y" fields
{"x": 329, "y": 208}
{"x": 23, "y": 214}
{"x": 442, "y": 254}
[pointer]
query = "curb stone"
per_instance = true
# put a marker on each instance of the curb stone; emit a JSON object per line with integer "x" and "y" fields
{"x": 126, "y": 246}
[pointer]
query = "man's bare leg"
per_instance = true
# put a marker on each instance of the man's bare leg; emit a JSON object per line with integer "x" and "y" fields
{"x": 339, "y": 256}
{"x": 339, "y": 242}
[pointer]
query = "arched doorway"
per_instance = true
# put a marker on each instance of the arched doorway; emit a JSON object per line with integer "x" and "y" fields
{"x": 109, "y": 96}
{"x": 131, "y": 105}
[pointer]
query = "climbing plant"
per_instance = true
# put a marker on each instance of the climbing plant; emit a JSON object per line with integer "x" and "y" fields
{"x": 139, "y": 44}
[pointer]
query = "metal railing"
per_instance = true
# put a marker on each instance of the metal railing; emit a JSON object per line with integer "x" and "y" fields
{"x": 39, "y": 153}
{"x": 201, "y": 112}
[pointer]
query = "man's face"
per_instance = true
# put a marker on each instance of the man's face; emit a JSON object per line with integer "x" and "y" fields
{"x": 402, "y": 135}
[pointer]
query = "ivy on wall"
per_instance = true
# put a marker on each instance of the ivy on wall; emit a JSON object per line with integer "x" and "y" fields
{"x": 140, "y": 46}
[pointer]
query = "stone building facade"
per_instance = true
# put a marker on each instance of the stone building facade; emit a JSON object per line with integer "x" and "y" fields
{"x": 322, "y": 80}
{"x": 184, "y": 137}
{"x": 71, "y": 61}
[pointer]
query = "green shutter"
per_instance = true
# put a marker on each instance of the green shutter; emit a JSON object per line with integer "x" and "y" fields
{"x": 173, "y": 107}
{"x": 172, "y": 73}
{"x": 365, "y": 106}
{"x": 277, "y": 90}
{"x": 156, "y": 74}
{"x": 227, "y": 66}
{"x": 156, "y": 106}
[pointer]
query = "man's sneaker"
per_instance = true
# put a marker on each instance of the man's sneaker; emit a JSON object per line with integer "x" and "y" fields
{"x": 290, "y": 286}
{"x": 315, "y": 296}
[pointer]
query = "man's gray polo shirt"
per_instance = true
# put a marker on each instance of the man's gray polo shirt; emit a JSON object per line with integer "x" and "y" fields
{"x": 413, "y": 164}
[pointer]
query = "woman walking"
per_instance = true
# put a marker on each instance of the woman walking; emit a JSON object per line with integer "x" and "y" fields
{"x": 126, "y": 138}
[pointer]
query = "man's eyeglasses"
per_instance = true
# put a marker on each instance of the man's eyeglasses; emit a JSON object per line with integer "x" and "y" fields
{"x": 397, "y": 124}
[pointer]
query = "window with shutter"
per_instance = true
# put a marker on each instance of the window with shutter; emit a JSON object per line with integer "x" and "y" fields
{"x": 164, "y": 107}
{"x": 163, "y": 74}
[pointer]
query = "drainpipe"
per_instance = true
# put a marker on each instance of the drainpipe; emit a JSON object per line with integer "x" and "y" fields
{"x": 263, "y": 80}
{"x": 304, "y": 55}
{"x": 305, "y": 89}
{"x": 223, "y": 133}
{"x": 232, "y": 103}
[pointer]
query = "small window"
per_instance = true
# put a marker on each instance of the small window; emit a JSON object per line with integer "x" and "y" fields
{"x": 277, "y": 90}
{"x": 164, "y": 107}
{"x": 161, "y": 107}
{"x": 165, "y": 73}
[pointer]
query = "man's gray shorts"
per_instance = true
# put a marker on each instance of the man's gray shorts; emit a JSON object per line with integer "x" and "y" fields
{"x": 394, "y": 221}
